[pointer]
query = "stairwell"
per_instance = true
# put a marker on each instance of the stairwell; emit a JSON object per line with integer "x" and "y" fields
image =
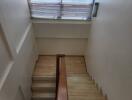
{"x": 79, "y": 84}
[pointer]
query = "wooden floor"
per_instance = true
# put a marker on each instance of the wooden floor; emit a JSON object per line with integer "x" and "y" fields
{"x": 80, "y": 86}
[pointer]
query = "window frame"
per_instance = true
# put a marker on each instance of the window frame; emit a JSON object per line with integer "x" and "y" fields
{"x": 61, "y": 10}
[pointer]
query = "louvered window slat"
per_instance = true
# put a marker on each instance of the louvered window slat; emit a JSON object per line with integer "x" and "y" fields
{"x": 61, "y": 9}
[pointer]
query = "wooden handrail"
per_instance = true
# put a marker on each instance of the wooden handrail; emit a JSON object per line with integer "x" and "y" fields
{"x": 61, "y": 89}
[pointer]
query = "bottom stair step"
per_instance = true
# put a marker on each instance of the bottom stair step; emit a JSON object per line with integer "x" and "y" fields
{"x": 43, "y": 96}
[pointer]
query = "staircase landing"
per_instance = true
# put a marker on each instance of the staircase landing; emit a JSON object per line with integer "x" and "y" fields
{"x": 46, "y": 66}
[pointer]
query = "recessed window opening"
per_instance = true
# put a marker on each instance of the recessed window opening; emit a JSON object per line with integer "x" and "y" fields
{"x": 62, "y": 9}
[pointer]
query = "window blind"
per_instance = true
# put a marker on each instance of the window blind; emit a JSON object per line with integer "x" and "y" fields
{"x": 61, "y": 9}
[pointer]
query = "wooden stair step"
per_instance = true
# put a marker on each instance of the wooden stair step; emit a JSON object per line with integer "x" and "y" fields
{"x": 43, "y": 87}
{"x": 75, "y": 65}
{"x": 79, "y": 75}
{"x": 43, "y": 96}
{"x": 45, "y": 70}
{"x": 87, "y": 95}
{"x": 83, "y": 86}
{"x": 82, "y": 91}
{"x": 86, "y": 98}
{"x": 80, "y": 80}
{"x": 47, "y": 60}
{"x": 45, "y": 66}
{"x": 44, "y": 78}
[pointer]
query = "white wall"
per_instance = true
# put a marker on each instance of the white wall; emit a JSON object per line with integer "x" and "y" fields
{"x": 109, "y": 52}
{"x": 19, "y": 72}
{"x": 61, "y": 30}
{"x": 5, "y": 57}
{"x": 53, "y": 46}
{"x": 16, "y": 13}
{"x": 59, "y": 37}
{"x": 17, "y": 50}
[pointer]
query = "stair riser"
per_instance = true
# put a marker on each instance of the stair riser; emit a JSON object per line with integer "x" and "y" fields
{"x": 86, "y": 82}
{"x": 43, "y": 98}
{"x": 41, "y": 89}
{"x": 87, "y": 99}
{"x": 88, "y": 87}
{"x": 84, "y": 93}
{"x": 43, "y": 81}
{"x": 40, "y": 79}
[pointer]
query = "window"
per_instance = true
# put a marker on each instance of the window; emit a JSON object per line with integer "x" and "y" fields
{"x": 62, "y": 9}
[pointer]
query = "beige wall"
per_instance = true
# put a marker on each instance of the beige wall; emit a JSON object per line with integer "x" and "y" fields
{"x": 17, "y": 50}
{"x": 5, "y": 57}
{"x": 68, "y": 46}
{"x": 16, "y": 13}
{"x": 61, "y": 30}
{"x": 57, "y": 37}
{"x": 109, "y": 52}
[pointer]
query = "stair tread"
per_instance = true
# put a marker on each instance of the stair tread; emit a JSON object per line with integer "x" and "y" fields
{"x": 82, "y": 92}
{"x": 90, "y": 87}
{"x": 42, "y": 84}
{"x": 46, "y": 65}
{"x": 86, "y": 98}
{"x": 48, "y": 70}
{"x": 41, "y": 78}
{"x": 78, "y": 75}
{"x": 75, "y": 65}
{"x": 80, "y": 80}
{"x": 43, "y": 95}
{"x": 86, "y": 94}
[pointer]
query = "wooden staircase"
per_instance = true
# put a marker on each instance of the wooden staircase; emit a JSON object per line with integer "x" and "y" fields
{"x": 44, "y": 79}
{"x": 78, "y": 86}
